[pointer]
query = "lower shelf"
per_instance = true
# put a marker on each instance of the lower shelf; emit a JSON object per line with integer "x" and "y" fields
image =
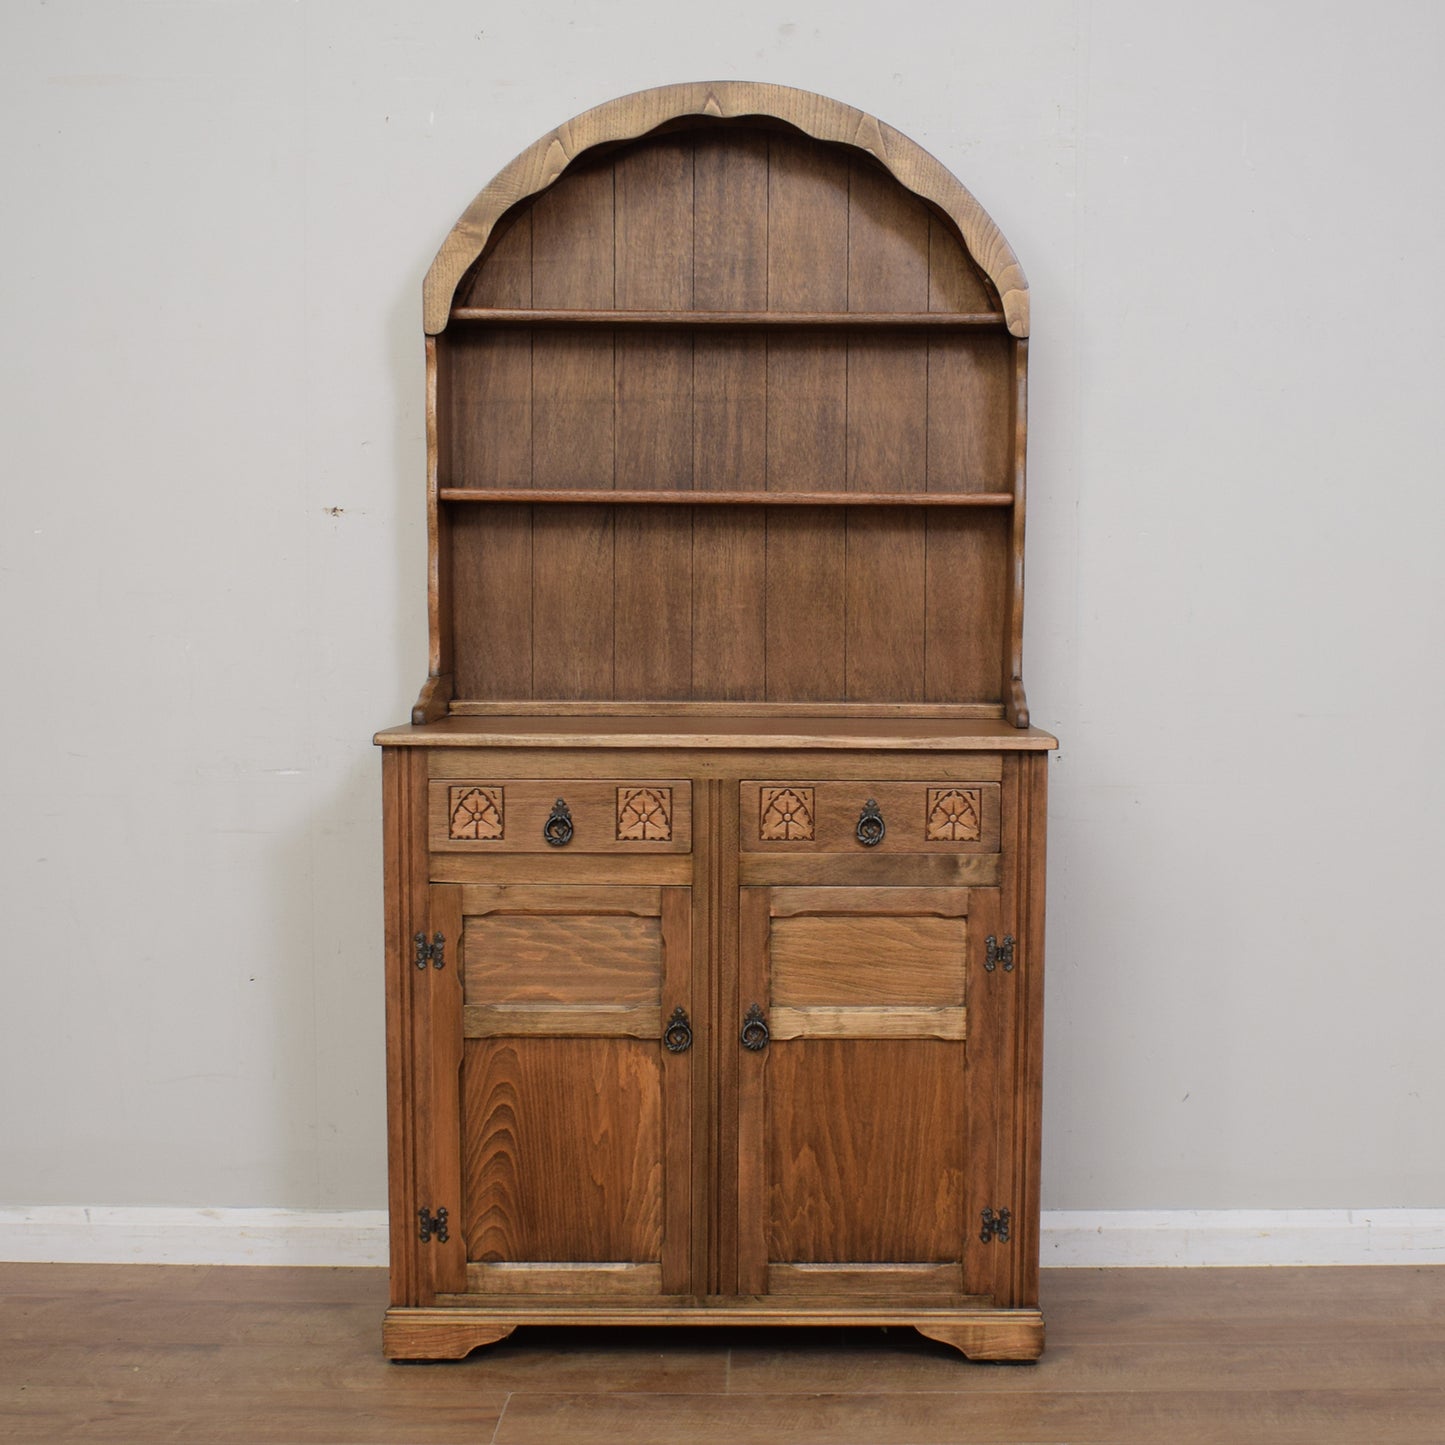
{"x": 451, "y": 1333}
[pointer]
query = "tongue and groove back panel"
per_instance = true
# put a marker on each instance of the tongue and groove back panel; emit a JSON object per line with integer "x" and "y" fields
{"x": 728, "y": 601}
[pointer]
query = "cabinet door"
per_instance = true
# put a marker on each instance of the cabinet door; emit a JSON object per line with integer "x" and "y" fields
{"x": 556, "y": 1069}
{"x": 866, "y": 1143}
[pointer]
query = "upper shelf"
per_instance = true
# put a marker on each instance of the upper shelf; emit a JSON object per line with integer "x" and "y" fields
{"x": 925, "y": 320}
{"x": 608, "y": 495}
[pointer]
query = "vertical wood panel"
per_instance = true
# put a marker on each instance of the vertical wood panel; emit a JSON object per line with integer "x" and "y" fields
{"x": 888, "y": 250}
{"x": 573, "y": 375}
{"x": 440, "y": 1121}
{"x": 490, "y": 408}
{"x": 492, "y": 601}
{"x": 807, "y": 416}
{"x": 729, "y": 643}
{"x": 503, "y": 275}
{"x": 888, "y": 243}
{"x": 572, "y": 575}
{"x": 964, "y": 639}
{"x": 654, "y": 271}
{"x": 970, "y": 413}
{"x": 573, "y": 261}
{"x": 807, "y": 226}
{"x": 677, "y": 1120}
{"x": 730, "y": 272}
{"x": 491, "y": 385}
{"x": 886, "y": 601}
{"x": 806, "y": 559}
{"x": 954, "y": 282}
{"x": 654, "y": 641}
{"x": 730, "y": 425}
{"x": 654, "y": 226}
{"x": 730, "y": 244}
{"x": 988, "y": 1100}
{"x": 572, "y": 602}
{"x": 752, "y": 1075}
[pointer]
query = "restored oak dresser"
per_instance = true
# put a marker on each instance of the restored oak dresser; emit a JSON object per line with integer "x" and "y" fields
{"x": 715, "y": 847}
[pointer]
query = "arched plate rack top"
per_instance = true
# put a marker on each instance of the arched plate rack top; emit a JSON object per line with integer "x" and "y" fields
{"x": 633, "y": 116}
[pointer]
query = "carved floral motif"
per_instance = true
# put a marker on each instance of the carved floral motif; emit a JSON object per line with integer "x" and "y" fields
{"x": 954, "y": 815}
{"x": 644, "y": 815}
{"x": 785, "y": 814}
{"x": 475, "y": 814}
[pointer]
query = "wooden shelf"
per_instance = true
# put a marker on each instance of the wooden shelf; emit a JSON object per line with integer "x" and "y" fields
{"x": 607, "y": 496}
{"x": 927, "y": 320}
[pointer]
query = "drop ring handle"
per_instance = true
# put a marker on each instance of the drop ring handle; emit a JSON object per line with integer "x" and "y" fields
{"x": 557, "y": 830}
{"x": 871, "y": 828}
{"x": 755, "y": 1033}
{"x": 677, "y": 1039}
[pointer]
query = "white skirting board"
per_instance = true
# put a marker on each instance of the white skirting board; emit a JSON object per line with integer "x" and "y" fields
{"x": 1083, "y": 1239}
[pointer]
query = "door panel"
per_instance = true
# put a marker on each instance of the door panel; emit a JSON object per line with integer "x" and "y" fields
{"x": 858, "y": 1161}
{"x": 563, "y": 1150}
{"x": 559, "y": 1123}
{"x": 864, "y": 1153}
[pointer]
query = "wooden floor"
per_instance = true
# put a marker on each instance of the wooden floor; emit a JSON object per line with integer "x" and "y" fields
{"x": 1167, "y": 1357}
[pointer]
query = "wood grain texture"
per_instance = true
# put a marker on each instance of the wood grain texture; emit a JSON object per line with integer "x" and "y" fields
{"x": 438, "y": 997}
{"x": 653, "y": 601}
{"x": 868, "y": 960}
{"x": 566, "y": 959}
{"x": 965, "y": 620}
{"x": 492, "y": 588}
{"x": 562, "y": 1020}
{"x": 791, "y": 732}
{"x": 404, "y": 848}
{"x": 242, "y": 1356}
{"x": 829, "y": 1152}
{"x": 604, "y": 1280}
{"x": 573, "y": 576}
{"x": 887, "y": 1280}
{"x": 563, "y": 1157}
{"x": 854, "y": 1021}
{"x": 631, "y": 116}
{"x": 976, "y": 871}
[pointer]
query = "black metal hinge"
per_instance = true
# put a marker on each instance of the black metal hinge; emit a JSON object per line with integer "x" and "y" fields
{"x": 995, "y": 953}
{"x": 434, "y": 953}
{"x": 432, "y": 1224}
{"x": 995, "y": 1226}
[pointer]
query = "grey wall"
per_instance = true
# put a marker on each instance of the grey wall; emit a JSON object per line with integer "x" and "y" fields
{"x": 217, "y": 218}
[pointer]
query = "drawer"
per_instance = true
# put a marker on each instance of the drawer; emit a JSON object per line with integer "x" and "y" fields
{"x": 560, "y": 815}
{"x": 922, "y": 817}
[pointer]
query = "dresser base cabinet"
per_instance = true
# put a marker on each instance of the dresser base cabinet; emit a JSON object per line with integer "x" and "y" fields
{"x": 756, "y": 1041}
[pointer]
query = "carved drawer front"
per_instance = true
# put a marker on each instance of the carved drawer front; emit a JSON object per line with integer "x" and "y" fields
{"x": 869, "y": 817}
{"x": 560, "y": 815}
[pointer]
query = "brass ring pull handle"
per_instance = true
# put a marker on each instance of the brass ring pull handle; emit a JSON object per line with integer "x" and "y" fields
{"x": 755, "y": 1033}
{"x": 557, "y": 830}
{"x": 871, "y": 828}
{"x": 677, "y": 1038}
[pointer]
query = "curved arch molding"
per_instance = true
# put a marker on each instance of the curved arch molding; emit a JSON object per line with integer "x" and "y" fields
{"x": 632, "y": 116}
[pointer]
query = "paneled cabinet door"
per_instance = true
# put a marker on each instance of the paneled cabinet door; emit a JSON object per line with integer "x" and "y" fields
{"x": 868, "y": 1059}
{"x": 554, "y": 1055}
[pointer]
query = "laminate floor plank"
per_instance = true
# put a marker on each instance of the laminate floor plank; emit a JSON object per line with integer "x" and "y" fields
{"x": 242, "y": 1356}
{"x": 1282, "y": 1417}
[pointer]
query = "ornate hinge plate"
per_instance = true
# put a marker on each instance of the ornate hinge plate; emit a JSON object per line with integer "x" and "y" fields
{"x": 432, "y": 1224}
{"x": 995, "y": 953}
{"x": 995, "y": 1226}
{"x": 434, "y": 953}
